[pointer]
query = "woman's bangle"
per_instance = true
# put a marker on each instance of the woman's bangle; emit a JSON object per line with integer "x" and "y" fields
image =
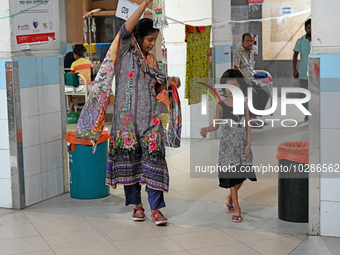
{"x": 207, "y": 130}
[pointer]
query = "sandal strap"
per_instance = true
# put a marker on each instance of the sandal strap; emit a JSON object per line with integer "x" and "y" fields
{"x": 162, "y": 217}
{"x": 237, "y": 216}
{"x": 156, "y": 211}
{"x": 137, "y": 209}
{"x": 229, "y": 206}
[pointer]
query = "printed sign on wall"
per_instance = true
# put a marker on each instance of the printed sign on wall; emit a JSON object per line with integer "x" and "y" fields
{"x": 287, "y": 10}
{"x": 35, "y": 23}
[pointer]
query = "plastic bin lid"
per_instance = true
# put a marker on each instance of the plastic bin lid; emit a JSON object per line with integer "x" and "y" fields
{"x": 296, "y": 151}
{"x": 71, "y": 138}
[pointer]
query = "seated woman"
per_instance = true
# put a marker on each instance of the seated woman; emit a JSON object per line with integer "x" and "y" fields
{"x": 82, "y": 66}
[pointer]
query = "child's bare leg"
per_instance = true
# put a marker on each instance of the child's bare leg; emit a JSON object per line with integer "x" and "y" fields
{"x": 234, "y": 197}
{"x": 229, "y": 200}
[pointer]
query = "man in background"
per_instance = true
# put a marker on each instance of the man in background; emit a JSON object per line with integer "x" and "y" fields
{"x": 244, "y": 62}
{"x": 302, "y": 46}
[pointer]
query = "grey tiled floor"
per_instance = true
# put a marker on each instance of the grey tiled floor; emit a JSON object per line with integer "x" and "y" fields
{"x": 198, "y": 223}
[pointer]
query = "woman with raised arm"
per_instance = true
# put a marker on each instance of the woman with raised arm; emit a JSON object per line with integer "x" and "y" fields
{"x": 136, "y": 150}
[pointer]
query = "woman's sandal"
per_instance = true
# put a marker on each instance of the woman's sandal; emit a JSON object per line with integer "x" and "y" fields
{"x": 159, "y": 220}
{"x": 238, "y": 218}
{"x": 229, "y": 208}
{"x": 138, "y": 216}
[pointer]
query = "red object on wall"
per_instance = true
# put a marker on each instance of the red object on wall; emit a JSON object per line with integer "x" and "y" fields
{"x": 255, "y": 1}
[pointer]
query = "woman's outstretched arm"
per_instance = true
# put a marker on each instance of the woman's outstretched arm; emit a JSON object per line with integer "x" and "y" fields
{"x": 133, "y": 19}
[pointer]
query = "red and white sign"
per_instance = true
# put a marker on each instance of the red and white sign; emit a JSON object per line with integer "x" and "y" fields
{"x": 35, "y": 38}
{"x": 35, "y": 22}
{"x": 255, "y": 1}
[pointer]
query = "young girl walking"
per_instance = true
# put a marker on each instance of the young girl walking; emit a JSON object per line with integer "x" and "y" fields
{"x": 235, "y": 155}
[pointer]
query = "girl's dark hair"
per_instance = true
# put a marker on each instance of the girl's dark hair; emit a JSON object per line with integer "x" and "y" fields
{"x": 79, "y": 50}
{"x": 69, "y": 59}
{"x": 232, "y": 74}
{"x": 308, "y": 22}
{"x": 144, "y": 27}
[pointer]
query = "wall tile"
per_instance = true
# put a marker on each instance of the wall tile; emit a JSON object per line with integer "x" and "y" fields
{"x": 52, "y": 98}
{"x": 41, "y": 120}
{"x": 330, "y": 189}
{"x": 30, "y": 131}
{"x": 3, "y": 108}
{"x": 50, "y": 68}
{"x": 33, "y": 189}
{"x": 328, "y": 102}
{"x": 3, "y": 73}
{"x": 44, "y": 183}
{"x": 4, "y": 136}
{"x": 32, "y": 164}
{"x": 329, "y": 218}
{"x": 40, "y": 71}
{"x": 27, "y": 74}
{"x": 5, "y": 169}
{"x": 55, "y": 179}
{"x": 54, "y": 155}
{"x": 330, "y": 146}
{"x": 43, "y": 157}
{"x": 41, "y": 100}
{"x": 6, "y": 195}
{"x": 52, "y": 126}
{"x": 29, "y": 102}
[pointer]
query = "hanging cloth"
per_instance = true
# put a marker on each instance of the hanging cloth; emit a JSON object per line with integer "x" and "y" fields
{"x": 197, "y": 66}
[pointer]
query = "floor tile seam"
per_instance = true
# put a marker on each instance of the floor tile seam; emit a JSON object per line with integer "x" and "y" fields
{"x": 267, "y": 239}
{"x": 188, "y": 250}
{"x": 191, "y": 232}
{"x": 252, "y": 248}
{"x": 102, "y": 234}
{"x": 20, "y": 253}
{"x": 291, "y": 239}
{"x": 219, "y": 229}
{"x": 148, "y": 238}
{"x": 222, "y": 246}
{"x": 40, "y": 234}
{"x": 35, "y": 235}
{"x": 75, "y": 246}
{"x": 263, "y": 223}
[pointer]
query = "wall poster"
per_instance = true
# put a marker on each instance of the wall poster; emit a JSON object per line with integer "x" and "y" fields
{"x": 35, "y": 24}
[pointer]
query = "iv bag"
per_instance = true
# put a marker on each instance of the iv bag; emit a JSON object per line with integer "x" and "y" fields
{"x": 159, "y": 18}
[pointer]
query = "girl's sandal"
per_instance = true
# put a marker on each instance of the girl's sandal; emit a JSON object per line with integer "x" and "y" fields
{"x": 159, "y": 220}
{"x": 238, "y": 218}
{"x": 138, "y": 216}
{"x": 229, "y": 208}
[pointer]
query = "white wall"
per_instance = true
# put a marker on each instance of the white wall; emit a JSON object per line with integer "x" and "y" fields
{"x": 191, "y": 12}
{"x": 326, "y": 46}
{"x": 325, "y": 15}
{"x": 185, "y": 12}
{"x": 5, "y": 38}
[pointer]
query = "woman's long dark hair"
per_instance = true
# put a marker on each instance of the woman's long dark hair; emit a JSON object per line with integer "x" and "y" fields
{"x": 143, "y": 28}
{"x": 232, "y": 74}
